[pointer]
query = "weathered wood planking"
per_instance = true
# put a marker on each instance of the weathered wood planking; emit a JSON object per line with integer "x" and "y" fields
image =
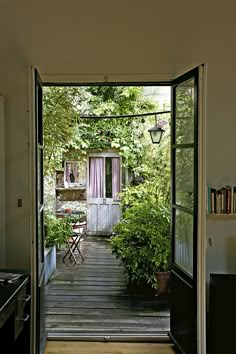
{"x": 69, "y": 347}
{"x": 91, "y": 297}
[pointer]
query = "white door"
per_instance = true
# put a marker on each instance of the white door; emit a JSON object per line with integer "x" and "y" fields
{"x": 104, "y": 185}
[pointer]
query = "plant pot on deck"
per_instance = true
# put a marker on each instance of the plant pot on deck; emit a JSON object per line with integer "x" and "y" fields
{"x": 163, "y": 283}
{"x": 140, "y": 288}
{"x": 49, "y": 262}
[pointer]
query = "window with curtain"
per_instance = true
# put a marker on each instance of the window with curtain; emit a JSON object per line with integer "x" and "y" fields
{"x": 104, "y": 177}
{"x": 71, "y": 172}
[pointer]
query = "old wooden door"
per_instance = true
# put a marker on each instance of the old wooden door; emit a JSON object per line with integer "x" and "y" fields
{"x": 104, "y": 184}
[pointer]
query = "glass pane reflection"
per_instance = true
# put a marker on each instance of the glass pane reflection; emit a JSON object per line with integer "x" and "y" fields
{"x": 184, "y": 241}
{"x": 185, "y": 113}
{"x": 184, "y": 177}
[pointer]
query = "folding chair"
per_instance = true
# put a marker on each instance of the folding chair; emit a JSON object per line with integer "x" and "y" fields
{"x": 73, "y": 242}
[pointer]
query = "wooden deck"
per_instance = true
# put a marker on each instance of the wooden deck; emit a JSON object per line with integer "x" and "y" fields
{"x": 68, "y": 347}
{"x": 91, "y": 299}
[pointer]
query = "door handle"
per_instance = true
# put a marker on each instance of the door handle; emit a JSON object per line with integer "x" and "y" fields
{"x": 24, "y": 317}
{"x": 26, "y": 298}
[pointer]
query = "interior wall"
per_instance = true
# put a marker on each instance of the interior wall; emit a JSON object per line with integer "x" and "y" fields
{"x": 221, "y": 159}
{"x": 122, "y": 41}
{"x": 14, "y": 88}
{"x": 2, "y": 185}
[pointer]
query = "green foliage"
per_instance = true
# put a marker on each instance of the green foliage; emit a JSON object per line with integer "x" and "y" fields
{"x": 185, "y": 135}
{"x": 57, "y": 230}
{"x": 155, "y": 170}
{"x": 142, "y": 241}
{"x": 124, "y": 134}
{"x": 49, "y": 195}
{"x": 114, "y": 100}
{"x": 67, "y": 136}
{"x": 61, "y": 107}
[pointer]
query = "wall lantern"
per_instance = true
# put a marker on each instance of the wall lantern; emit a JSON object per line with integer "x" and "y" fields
{"x": 156, "y": 133}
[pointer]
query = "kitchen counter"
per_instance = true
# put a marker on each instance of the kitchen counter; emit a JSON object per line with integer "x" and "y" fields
{"x": 15, "y": 314}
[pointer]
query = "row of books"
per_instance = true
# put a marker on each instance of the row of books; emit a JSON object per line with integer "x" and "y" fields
{"x": 221, "y": 201}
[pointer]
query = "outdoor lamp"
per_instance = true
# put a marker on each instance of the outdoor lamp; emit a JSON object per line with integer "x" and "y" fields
{"x": 156, "y": 133}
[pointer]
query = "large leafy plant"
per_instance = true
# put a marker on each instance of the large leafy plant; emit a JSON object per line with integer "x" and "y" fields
{"x": 57, "y": 230}
{"x": 142, "y": 241}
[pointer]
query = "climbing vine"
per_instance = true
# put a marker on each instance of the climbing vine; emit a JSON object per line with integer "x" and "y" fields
{"x": 67, "y": 135}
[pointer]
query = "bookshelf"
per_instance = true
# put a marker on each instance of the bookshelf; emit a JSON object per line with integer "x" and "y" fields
{"x": 221, "y": 202}
{"x": 221, "y": 216}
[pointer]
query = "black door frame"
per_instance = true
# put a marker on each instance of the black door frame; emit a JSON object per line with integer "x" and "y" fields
{"x": 131, "y": 83}
{"x": 183, "y": 285}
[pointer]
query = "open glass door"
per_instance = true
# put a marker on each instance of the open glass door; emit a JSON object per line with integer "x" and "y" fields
{"x": 184, "y": 154}
{"x": 40, "y": 271}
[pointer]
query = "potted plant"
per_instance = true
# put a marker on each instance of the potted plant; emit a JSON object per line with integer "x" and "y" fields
{"x": 74, "y": 207}
{"x": 56, "y": 234}
{"x": 142, "y": 243}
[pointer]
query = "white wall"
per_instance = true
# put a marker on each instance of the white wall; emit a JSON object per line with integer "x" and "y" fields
{"x": 127, "y": 41}
{"x": 132, "y": 40}
{"x": 14, "y": 88}
{"x": 2, "y": 185}
{"x": 221, "y": 157}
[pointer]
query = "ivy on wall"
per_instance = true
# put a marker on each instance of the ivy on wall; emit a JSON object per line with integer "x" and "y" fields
{"x": 68, "y": 136}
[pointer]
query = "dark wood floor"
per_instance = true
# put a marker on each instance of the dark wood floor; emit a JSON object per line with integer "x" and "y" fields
{"x": 91, "y": 298}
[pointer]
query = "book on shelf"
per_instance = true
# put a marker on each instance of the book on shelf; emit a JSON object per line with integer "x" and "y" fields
{"x": 213, "y": 200}
{"x": 222, "y": 200}
{"x": 234, "y": 200}
{"x": 218, "y": 202}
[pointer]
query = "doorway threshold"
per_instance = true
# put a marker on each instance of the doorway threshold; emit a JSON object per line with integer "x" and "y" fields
{"x": 161, "y": 337}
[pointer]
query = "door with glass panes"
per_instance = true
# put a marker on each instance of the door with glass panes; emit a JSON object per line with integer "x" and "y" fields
{"x": 39, "y": 204}
{"x": 186, "y": 162}
{"x": 104, "y": 186}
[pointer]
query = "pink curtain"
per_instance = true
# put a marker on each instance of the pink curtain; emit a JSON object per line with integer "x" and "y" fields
{"x": 96, "y": 177}
{"x": 115, "y": 176}
{"x": 68, "y": 172}
{"x": 75, "y": 171}
{"x": 71, "y": 172}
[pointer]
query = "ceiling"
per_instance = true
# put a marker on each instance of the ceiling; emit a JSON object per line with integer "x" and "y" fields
{"x": 106, "y": 37}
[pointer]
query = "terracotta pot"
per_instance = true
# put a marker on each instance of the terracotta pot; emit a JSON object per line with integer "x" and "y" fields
{"x": 68, "y": 210}
{"x": 163, "y": 283}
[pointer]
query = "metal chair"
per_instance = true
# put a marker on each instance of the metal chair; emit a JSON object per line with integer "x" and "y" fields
{"x": 73, "y": 241}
